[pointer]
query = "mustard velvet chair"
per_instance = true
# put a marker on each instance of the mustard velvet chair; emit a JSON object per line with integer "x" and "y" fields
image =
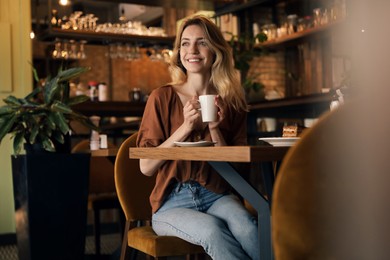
{"x": 314, "y": 205}
{"x": 133, "y": 189}
{"x": 102, "y": 192}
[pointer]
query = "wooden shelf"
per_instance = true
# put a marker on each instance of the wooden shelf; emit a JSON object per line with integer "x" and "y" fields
{"x": 299, "y": 35}
{"x": 283, "y": 102}
{"x": 294, "y": 107}
{"x": 110, "y": 108}
{"x": 103, "y": 38}
{"x": 233, "y": 8}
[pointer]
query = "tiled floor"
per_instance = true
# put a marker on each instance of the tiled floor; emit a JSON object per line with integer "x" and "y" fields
{"x": 110, "y": 246}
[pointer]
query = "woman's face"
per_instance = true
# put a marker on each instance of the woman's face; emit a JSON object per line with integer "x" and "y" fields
{"x": 195, "y": 54}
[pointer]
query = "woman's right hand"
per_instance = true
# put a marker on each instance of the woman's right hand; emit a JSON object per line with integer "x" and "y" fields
{"x": 191, "y": 114}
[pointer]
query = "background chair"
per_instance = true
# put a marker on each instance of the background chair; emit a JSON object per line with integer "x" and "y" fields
{"x": 133, "y": 189}
{"x": 102, "y": 192}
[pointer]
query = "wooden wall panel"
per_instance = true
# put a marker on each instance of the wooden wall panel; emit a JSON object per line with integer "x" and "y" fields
{"x": 6, "y": 58}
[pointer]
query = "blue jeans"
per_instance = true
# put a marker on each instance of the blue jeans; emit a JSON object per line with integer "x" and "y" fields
{"x": 218, "y": 222}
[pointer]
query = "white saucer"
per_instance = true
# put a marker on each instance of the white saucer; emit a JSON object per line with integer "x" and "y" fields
{"x": 280, "y": 141}
{"x": 194, "y": 144}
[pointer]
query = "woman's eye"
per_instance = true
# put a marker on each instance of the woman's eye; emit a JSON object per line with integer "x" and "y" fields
{"x": 184, "y": 44}
{"x": 202, "y": 43}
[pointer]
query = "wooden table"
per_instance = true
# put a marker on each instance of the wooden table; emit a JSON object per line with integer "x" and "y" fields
{"x": 109, "y": 152}
{"x": 219, "y": 157}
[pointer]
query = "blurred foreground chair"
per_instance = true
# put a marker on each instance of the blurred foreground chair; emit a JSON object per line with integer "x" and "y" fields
{"x": 298, "y": 224}
{"x": 133, "y": 189}
{"x": 102, "y": 192}
{"x": 321, "y": 208}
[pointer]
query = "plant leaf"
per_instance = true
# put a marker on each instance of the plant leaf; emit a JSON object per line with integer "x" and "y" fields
{"x": 33, "y": 93}
{"x": 61, "y": 107}
{"x": 35, "y": 73}
{"x": 7, "y": 125}
{"x": 18, "y": 142}
{"x": 51, "y": 121}
{"x": 51, "y": 90}
{"x": 77, "y": 100}
{"x": 6, "y": 110}
{"x": 65, "y": 92}
{"x": 71, "y": 73}
{"x": 48, "y": 145}
{"x": 34, "y": 133}
{"x": 61, "y": 122}
{"x": 57, "y": 135}
{"x": 84, "y": 120}
{"x": 12, "y": 100}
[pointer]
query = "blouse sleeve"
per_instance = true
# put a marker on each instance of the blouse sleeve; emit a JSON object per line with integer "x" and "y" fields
{"x": 151, "y": 131}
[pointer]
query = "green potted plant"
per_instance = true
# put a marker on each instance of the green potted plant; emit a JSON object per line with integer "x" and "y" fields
{"x": 43, "y": 117}
{"x": 244, "y": 50}
{"x": 50, "y": 187}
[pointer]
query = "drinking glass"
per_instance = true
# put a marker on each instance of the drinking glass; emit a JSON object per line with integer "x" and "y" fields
{"x": 81, "y": 53}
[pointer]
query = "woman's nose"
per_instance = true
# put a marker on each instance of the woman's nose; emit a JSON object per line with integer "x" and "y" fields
{"x": 194, "y": 48}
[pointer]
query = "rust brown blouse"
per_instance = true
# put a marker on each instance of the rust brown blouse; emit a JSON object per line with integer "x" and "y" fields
{"x": 162, "y": 116}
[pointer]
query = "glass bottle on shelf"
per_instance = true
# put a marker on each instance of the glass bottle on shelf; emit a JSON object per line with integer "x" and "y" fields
{"x": 292, "y": 23}
{"x": 316, "y": 17}
{"x": 93, "y": 91}
{"x": 54, "y": 18}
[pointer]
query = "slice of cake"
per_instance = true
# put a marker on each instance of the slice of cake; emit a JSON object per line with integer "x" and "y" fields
{"x": 290, "y": 131}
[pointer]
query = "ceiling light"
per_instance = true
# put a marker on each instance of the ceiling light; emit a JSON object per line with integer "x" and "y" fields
{"x": 64, "y": 2}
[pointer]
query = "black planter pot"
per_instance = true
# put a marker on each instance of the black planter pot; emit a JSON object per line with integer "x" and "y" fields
{"x": 51, "y": 192}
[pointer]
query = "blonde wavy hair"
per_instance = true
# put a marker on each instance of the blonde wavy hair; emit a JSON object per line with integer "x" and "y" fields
{"x": 224, "y": 77}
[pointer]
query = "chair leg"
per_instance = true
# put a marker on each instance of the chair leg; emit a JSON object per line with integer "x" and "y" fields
{"x": 122, "y": 221}
{"x": 125, "y": 252}
{"x": 97, "y": 230}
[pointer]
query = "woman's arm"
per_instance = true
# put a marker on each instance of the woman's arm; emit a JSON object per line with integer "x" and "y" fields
{"x": 190, "y": 112}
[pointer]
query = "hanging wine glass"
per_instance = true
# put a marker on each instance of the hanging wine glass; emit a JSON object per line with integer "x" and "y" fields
{"x": 73, "y": 49}
{"x": 65, "y": 50}
{"x": 81, "y": 53}
{"x": 56, "y": 54}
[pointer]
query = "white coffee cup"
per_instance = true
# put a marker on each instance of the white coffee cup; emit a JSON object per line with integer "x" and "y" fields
{"x": 208, "y": 108}
{"x": 266, "y": 124}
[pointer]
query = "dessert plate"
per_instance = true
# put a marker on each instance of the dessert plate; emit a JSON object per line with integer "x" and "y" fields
{"x": 194, "y": 144}
{"x": 280, "y": 141}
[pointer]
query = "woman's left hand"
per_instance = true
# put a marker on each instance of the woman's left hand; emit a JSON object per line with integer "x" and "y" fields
{"x": 221, "y": 112}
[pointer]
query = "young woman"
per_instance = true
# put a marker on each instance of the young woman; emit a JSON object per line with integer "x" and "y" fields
{"x": 190, "y": 200}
